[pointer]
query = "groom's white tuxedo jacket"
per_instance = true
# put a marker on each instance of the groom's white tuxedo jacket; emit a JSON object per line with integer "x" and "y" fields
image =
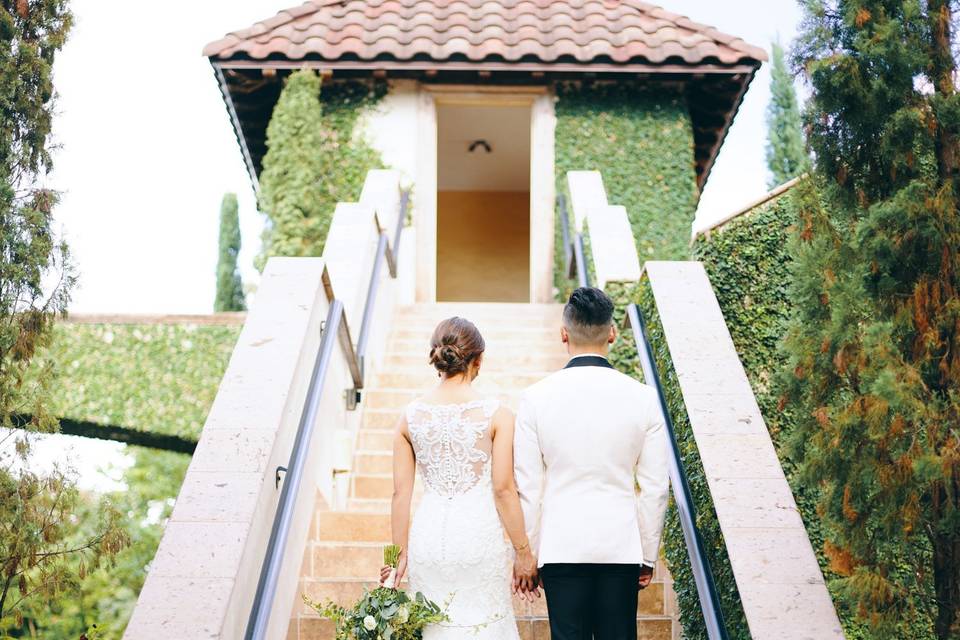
{"x": 590, "y": 454}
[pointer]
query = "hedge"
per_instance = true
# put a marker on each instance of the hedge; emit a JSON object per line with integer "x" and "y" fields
{"x": 150, "y": 377}
{"x": 641, "y": 141}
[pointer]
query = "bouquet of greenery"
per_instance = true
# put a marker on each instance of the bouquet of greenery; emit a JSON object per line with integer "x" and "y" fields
{"x": 383, "y": 613}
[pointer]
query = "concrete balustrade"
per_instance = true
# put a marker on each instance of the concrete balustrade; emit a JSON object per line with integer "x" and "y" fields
{"x": 613, "y": 248}
{"x": 202, "y": 581}
{"x": 781, "y": 587}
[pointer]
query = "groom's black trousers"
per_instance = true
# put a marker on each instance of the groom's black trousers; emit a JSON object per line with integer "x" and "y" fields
{"x": 592, "y": 601}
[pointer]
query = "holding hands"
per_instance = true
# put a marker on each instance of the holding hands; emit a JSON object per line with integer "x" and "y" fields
{"x": 526, "y": 579}
{"x": 646, "y": 575}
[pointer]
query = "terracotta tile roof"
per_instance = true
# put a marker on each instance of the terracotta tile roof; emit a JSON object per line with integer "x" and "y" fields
{"x": 545, "y": 31}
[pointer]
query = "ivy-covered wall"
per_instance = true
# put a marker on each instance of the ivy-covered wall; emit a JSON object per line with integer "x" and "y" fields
{"x": 640, "y": 139}
{"x": 749, "y": 264}
{"x": 151, "y": 377}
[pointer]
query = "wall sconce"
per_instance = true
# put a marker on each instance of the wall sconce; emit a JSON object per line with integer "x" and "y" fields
{"x": 479, "y": 143}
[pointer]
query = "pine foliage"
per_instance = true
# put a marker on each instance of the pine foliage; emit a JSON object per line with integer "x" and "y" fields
{"x": 874, "y": 347}
{"x": 39, "y": 555}
{"x": 229, "y": 285}
{"x": 785, "y": 152}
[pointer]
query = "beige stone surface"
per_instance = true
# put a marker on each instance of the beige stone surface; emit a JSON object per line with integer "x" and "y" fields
{"x": 780, "y": 583}
{"x": 586, "y": 192}
{"x": 349, "y": 253}
{"x": 381, "y": 193}
{"x": 613, "y": 248}
{"x": 199, "y": 605}
{"x": 612, "y": 245}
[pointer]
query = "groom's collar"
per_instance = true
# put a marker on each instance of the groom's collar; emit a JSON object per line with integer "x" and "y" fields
{"x": 588, "y": 360}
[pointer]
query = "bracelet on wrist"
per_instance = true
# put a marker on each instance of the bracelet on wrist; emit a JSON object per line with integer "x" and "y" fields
{"x": 525, "y": 545}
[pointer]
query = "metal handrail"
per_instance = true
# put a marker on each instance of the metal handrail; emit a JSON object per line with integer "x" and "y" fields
{"x": 334, "y": 329}
{"x": 699, "y": 562}
{"x": 384, "y": 251}
{"x": 580, "y": 262}
{"x": 280, "y": 532}
{"x": 574, "y": 252}
{"x": 565, "y": 233}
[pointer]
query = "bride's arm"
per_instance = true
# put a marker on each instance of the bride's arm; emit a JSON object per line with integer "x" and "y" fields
{"x": 508, "y": 499}
{"x": 404, "y": 472}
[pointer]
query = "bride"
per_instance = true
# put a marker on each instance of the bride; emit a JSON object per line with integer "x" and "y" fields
{"x": 455, "y": 551}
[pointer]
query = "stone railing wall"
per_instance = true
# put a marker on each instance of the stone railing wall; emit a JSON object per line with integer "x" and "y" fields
{"x": 202, "y": 581}
{"x": 781, "y": 587}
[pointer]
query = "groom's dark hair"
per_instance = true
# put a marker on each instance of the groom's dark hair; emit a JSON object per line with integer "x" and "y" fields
{"x": 588, "y": 315}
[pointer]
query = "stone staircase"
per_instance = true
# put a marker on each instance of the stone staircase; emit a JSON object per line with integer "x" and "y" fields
{"x": 344, "y": 551}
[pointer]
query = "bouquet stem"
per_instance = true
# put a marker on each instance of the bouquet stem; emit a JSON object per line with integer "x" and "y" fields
{"x": 391, "y": 558}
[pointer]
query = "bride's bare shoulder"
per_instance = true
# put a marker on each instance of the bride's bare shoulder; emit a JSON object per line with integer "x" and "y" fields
{"x": 503, "y": 414}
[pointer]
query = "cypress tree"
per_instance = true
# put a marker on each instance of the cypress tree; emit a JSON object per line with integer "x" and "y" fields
{"x": 786, "y": 155}
{"x": 292, "y": 185}
{"x": 874, "y": 349}
{"x": 229, "y": 285}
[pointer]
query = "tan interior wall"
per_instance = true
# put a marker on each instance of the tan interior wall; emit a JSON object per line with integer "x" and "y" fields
{"x": 483, "y": 246}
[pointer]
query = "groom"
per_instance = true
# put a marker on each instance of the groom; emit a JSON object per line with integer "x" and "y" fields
{"x": 591, "y": 466}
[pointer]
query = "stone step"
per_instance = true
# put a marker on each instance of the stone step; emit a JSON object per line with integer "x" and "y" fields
{"x": 424, "y": 377}
{"x": 442, "y": 310}
{"x": 502, "y": 322}
{"x": 648, "y": 628}
{"x": 367, "y": 486}
{"x": 346, "y": 591}
{"x": 397, "y": 399}
{"x": 379, "y": 420}
{"x": 548, "y": 342}
{"x": 369, "y": 505}
{"x": 342, "y": 526}
{"x": 492, "y": 336}
{"x": 346, "y": 559}
{"x": 516, "y": 362}
{"x": 366, "y": 461}
{"x": 373, "y": 439}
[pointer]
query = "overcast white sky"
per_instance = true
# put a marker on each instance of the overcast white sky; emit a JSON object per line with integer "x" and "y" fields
{"x": 147, "y": 148}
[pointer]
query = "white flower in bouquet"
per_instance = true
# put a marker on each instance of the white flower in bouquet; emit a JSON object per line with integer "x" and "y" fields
{"x": 403, "y": 614}
{"x": 369, "y": 623}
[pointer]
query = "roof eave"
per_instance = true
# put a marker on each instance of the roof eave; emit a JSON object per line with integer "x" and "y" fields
{"x": 237, "y": 129}
{"x": 746, "y": 66}
{"x": 747, "y": 69}
{"x": 731, "y": 114}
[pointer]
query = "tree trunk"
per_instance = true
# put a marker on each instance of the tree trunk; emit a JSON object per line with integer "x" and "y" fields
{"x": 946, "y": 580}
{"x": 941, "y": 74}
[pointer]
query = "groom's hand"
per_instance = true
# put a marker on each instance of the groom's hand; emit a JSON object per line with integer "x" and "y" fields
{"x": 646, "y": 575}
{"x": 525, "y": 578}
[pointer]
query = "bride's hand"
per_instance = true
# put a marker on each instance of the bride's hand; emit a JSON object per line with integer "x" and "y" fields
{"x": 525, "y": 578}
{"x": 401, "y": 571}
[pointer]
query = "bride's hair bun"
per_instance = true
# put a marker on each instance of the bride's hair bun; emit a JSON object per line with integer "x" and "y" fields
{"x": 455, "y": 344}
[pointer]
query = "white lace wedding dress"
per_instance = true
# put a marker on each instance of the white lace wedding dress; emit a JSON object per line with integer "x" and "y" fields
{"x": 458, "y": 555}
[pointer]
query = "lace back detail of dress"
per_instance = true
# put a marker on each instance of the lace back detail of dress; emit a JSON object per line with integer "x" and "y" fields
{"x": 452, "y": 443}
